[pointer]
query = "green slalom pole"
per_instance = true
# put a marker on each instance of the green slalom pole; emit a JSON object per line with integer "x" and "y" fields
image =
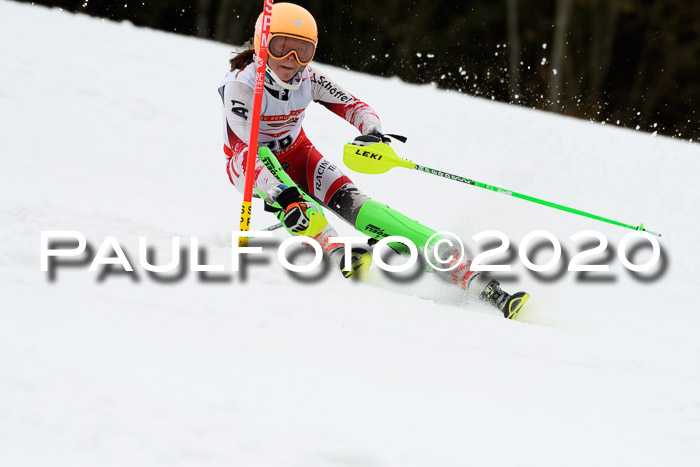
{"x": 543, "y": 202}
{"x": 273, "y": 227}
{"x": 268, "y": 229}
{"x": 379, "y": 157}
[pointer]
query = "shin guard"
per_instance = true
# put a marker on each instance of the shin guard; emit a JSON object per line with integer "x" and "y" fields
{"x": 379, "y": 221}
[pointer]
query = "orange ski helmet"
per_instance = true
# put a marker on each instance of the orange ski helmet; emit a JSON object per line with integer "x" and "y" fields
{"x": 292, "y": 31}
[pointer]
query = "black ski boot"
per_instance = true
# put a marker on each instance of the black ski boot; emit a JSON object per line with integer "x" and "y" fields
{"x": 510, "y": 305}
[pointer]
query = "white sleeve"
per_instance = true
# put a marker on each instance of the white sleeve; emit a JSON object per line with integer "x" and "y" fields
{"x": 339, "y": 101}
{"x": 238, "y": 105}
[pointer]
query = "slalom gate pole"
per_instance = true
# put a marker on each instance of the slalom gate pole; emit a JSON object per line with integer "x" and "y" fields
{"x": 247, "y": 205}
{"x": 380, "y": 157}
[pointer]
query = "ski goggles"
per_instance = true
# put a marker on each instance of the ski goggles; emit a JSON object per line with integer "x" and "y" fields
{"x": 282, "y": 46}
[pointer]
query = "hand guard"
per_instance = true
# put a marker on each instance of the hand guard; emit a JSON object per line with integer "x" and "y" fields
{"x": 295, "y": 217}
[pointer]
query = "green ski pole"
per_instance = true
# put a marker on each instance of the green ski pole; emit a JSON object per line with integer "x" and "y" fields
{"x": 379, "y": 157}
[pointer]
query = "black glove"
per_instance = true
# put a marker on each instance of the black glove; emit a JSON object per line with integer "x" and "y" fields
{"x": 295, "y": 217}
{"x": 376, "y": 137}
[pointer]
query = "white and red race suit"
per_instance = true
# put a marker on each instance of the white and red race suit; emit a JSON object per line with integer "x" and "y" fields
{"x": 281, "y": 118}
{"x": 281, "y": 130}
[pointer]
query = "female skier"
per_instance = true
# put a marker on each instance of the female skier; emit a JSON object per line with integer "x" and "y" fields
{"x": 290, "y": 86}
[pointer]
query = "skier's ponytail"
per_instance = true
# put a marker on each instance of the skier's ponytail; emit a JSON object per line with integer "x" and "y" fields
{"x": 243, "y": 57}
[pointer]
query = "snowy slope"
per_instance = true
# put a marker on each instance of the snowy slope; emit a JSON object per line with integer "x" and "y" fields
{"x": 114, "y": 130}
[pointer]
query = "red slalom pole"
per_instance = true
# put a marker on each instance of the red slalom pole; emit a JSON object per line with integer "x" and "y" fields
{"x": 247, "y": 205}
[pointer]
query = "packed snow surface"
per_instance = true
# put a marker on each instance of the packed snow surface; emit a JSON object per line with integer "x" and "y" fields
{"x": 113, "y": 130}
